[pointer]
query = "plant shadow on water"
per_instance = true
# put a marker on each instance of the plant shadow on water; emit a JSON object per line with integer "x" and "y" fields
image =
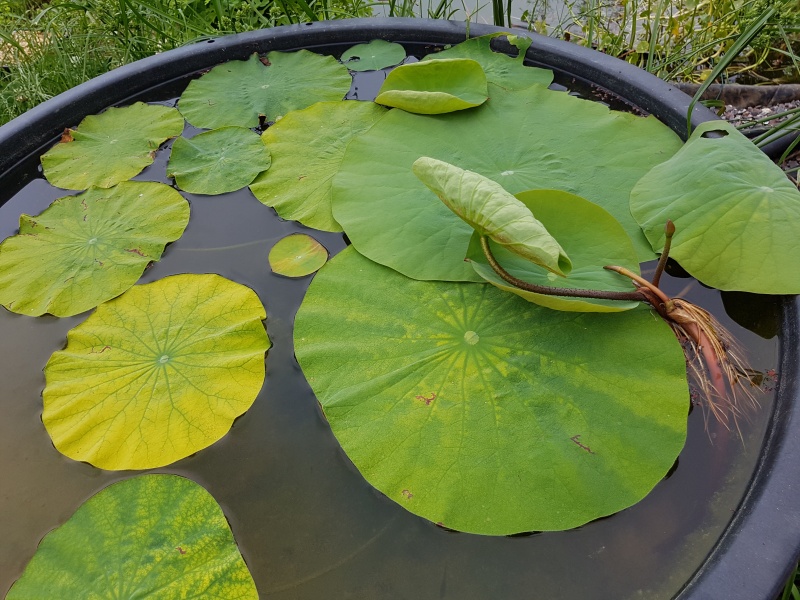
{"x": 306, "y": 522}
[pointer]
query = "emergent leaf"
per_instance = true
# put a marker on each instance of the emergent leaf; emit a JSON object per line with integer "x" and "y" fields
{"x": 154, "y": 536}
{"x": 86, "y": 249}
{"x": 377, "y": 54}
{"x": 435, "y": 87}
{"x": 110, "y": 147}
{"x": 485, "y": 413}
{"x": 156, "y": 374}
{"x": 486, "y": 207}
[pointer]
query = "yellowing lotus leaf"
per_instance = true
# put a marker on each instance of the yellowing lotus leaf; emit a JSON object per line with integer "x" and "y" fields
{"x": 156, "y": 374}
{"x": 297, "y": 255}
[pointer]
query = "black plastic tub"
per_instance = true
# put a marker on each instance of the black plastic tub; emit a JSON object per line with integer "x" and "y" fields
{"x": 739, "y": 526}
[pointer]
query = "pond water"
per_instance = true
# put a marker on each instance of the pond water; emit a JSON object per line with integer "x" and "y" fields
{"x": 307, "y": 523}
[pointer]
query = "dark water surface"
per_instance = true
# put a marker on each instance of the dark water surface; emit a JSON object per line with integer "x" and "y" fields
{"x": 307, "y": 523}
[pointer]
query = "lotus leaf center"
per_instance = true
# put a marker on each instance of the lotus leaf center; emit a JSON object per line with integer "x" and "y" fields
{"x": 766, "y": 189}
{"x": 164, "y": 359}
{"x": 471, "y": 338}
{"x": 505, "y": 173}
{"x": 552, "y": 276}
{"x": 92, "y": 241}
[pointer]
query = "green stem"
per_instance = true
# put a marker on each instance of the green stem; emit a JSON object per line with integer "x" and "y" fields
{"x": 556, "y": 291}
{"x": 669, "y": 231}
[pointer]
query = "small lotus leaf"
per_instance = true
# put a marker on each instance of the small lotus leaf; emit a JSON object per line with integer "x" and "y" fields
{"x": 218, "y": 161}
{"x": 377, "y": 54}
{"x": 736, "y": 215}
{"x": 485, "y": 413}
{"x": 591, "y": 236}
{"x": 434, "y": 87}
{"x": 297, "y": 255}
{"x": 501, "y": 69}
{"x": 110, "y": 147}
{"x": 307, "y": 148}
{"x": 238, "y": 92}
{"x": 493, "y": 212}
{"x": 528, "y": 139}
{"x": 156, "y": 374}
{"x": 158, "y": 537}
{"x": 86, "y": 249}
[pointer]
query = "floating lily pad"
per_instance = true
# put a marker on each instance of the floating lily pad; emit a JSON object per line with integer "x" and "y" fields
{"x": 493, "y": 212}
{"x": 239, "y": 92}
{"x": 591, "y": 237}
{"x": 307, "y": 148}
{"x": 110, "y": 147}
{"x": 377, "y": 54}
{"x": 485, "y": 413}
{"x": 736, "y": 215}
{"x": 435, "y": 86}
{"x": 86, "y": 249}
{"x": 156, "y": 374}
{"x": 501, "y": 69}
{"x": 529, "y": 139}
{"x": 218, "y": 161}
{"x": 297, "y": 255}
{"x": 154, "y": 536}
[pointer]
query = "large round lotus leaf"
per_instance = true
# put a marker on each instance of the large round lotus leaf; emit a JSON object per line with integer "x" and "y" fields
{"x": 239, "y": 92}
{"x": 86, "y": 249}
{"x": 488, "y": 414}
{"x": 158, "y": 537}
{"x": 501, "y": 69}
{"x": 493, "y": 212}
{"x": 218, "y": 161}
{"x": 435, "y": 86}
{"x": 736, "y": 215}
{"x": 297, "y": 255}
{"x": 591, "y": 237}
{"x": 377, "y": 54}
{"x": 110, "y": 147}
{"x": 529, "y": 139}
{"x": 156, "y": 374}
{"x": 307, "y": 148}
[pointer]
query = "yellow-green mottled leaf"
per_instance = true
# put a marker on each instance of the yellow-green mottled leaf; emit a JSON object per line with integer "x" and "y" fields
{"x": 377, "y": 54}
{"x": 238, "y": 92}
{"x": 486, "y": 207}
{"x": 483, "y": 412}
{"x": 110, "y": 147}
{"x": 434, "y": 87}
{"x": 86, "y": 249}
{"x": 218, "y": 161}
{"x": 297, "y": 255}
{"x": 307, "y": 148}
{"x": 156, "y": 374}
{"x": 158, "y": 537}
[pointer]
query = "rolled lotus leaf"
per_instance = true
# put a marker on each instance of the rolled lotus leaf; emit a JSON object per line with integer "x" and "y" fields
{"x": 493, "y": 212}
{"x": 435, "y": 87}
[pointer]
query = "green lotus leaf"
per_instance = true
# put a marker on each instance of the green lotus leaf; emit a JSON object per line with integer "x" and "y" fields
{"x": 307, "y": 148}
{"x": 591, "y": 237}
{"x": 528, "y": 139}
{"x": 377, "y": 54}
{"x": 238, "y": 92}
{"x": 297, "y": 255}
{"x": 156, "y": 374}
{"x": 158, "y": 537}
{"x": 434, "y": 87}
{"x": 485, "y": 413}
{"x": 501, "y": 69}
{"x": 736, "y": 215}
{"x": 86, "y": 249}
{"x": 218, "y": 161}
{"x": 110, "y": 147}
{"x": 493, "y": 212}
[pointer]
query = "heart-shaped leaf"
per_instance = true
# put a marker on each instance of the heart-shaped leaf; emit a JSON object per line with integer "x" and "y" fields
{"x": 154, "y": 536}
{"x": 86, "y": 249}
{"x": 591, "y": 237}
{"x": 110, "y": 147}
{"x": 377, "y": 54}
{"x": 156, "y": 374}
{"x": 434, "y": 87}
{"x": 491, "y": 211}
{"x": 736, "y": 215}
{"x": 218, "y": 161}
